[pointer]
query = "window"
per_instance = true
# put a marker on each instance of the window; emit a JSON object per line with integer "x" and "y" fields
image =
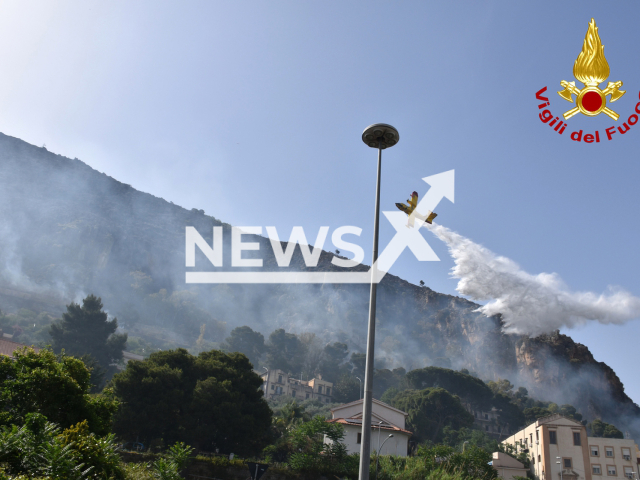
{"x": 319, "y": 388}
{"x": 475, "y": 414}
{"x": 595, "y": 452}
{"x": 596, "y": 470}
{"x": 566, "y": 462}
{"x": 626, "y": 454}
{"x": 611, "y": 470}
{"x": 307, "y": 396}
{"x": 328, "y": 390}
{"x": 279, "y": 390}
{"x": 628, "y": 472}
{"x": 533, "y": 460}
{"x": 486, "y": 427}
{"x": 328, "y": 400}
{"x": 531, "y": 438}
{"x": 539, "y": 459}
{"x": 486, "y": 416}
{"x": 293, "y": 393}
{"x": 608, "y": 451}
{"x": 272, "y": 387}
{"x": 537, "y": 438}
{"x": 576, "y": 438}
{"x": 359, "y": 440}
{"x": 279, "y": 378}
{"x": 552, "y": 437}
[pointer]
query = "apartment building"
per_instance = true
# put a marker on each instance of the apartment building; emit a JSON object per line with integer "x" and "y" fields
{"x": 488, "y": 421}
{"x": 278, "y": 383}
{"x": 559, "y": 449}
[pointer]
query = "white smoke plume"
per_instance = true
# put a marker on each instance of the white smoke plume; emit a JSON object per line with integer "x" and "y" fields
{"x": 529, "y": 304}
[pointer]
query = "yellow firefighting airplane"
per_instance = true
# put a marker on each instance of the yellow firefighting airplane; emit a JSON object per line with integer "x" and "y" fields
{"x": 410, "y": 210}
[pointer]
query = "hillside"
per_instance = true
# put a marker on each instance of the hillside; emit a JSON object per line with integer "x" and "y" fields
{"x": 69, "y": 230}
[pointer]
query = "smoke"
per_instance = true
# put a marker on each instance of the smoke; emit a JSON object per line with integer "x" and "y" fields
{"x": 529, "y": 304}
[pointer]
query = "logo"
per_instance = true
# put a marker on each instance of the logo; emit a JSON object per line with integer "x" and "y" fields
{"x": 442, "y": 185}
{"x": 591, "y": 68}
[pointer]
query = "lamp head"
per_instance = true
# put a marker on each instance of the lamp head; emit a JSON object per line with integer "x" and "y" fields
{"x": 380, "y": 135}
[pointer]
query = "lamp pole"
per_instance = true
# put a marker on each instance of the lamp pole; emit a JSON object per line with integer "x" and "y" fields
{"x": 380, "y": 448}
{"x": 360, "y": 388}
{"x": 380, "y": 136}
{"x": 561, "y": 466}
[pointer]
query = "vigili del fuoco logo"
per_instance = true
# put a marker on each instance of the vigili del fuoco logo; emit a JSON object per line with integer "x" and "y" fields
{"x": 591, "y": 68}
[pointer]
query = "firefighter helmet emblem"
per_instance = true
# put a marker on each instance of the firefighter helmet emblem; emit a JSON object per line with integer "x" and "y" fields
{"x": 591, "y": 68}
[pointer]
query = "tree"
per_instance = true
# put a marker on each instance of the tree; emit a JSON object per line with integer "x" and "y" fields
{"x": 598, "y": 428}
{"x": 209, "y": 401}
{"x": 247, "y": 341}
{"x": 502, "y": 386}
{"x": 285, "y": 351}
{"x": 470, "y": 389}
{"x": 430, "y": 410}
{"x": 312, "y": 454}
{"x": 333, "y": 356}
{"x": 346, "y": 389}
{"x": 358, "y": 362}
{"x": 86, "y": 330}
{"x": 57, "y": 388}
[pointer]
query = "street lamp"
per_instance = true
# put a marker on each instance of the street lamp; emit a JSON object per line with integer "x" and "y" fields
{"x": 378, "y": 455}
{"x": 380, "y": 136}
{"x": 360, "y": 388}
{"x": 560, "y": 463}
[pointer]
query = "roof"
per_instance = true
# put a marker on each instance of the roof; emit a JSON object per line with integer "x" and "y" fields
{"x": 355, "y": 402}
{"x": 554, "y": 417}
{"x": 356, "y": 422}
{"x": 7, "y": 347}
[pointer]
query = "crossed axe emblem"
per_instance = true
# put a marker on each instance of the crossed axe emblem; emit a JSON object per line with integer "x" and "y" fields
{"x": 591, "y": 100}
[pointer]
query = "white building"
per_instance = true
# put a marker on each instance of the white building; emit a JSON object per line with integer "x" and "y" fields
{"x": 559, "y": 449}
{"x": 385, "y": 421}
{"x": 507, "y": 466}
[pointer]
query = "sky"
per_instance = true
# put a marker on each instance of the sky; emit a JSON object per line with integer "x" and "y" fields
{"x": 253, "y": 111}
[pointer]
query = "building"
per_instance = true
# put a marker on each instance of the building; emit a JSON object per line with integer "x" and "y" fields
{"x": 507, "y": 466}
{"x": 489, "y": 422}
{"x": 277, "y": 383}
{"x": 7, "y": 347}
{"x": 385, "y": 421}
{"x": 559, "y": 448}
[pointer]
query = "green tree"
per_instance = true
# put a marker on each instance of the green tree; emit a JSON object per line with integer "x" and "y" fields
{"x": 86, "y": 330}
{"x": 245, "y": 340}
{"x": 285, "y": 351}
{"x": 209, "y": 401}
{"x": 57, "y": 388}
{"x": 313, "y": 455}
{"x": 430, "y": 410}
{"x": 598, "y": 428}
{"x": 502, "y": 386}
{"x": 347, "y": 389}
{"x": 470, "y": 389}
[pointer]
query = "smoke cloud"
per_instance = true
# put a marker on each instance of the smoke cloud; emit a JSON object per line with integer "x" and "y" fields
{"x": 529, "y": 304}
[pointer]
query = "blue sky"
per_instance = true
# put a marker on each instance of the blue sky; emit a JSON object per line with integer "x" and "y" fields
{"x": 253, "y": 111}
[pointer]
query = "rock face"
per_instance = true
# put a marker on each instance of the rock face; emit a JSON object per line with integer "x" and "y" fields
{"x": 69, "y": 230}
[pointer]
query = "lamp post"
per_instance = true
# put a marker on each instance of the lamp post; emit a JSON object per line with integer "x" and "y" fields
{"x": 266, "y": 386}
{"x": 360, "y": 388}
{"x": 560, "y": 463}
{"x": 380, "y": 136}
{"x": 379, "y": 448}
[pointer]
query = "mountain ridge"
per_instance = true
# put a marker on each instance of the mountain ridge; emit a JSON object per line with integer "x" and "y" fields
{"x": 70, "y": 230}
